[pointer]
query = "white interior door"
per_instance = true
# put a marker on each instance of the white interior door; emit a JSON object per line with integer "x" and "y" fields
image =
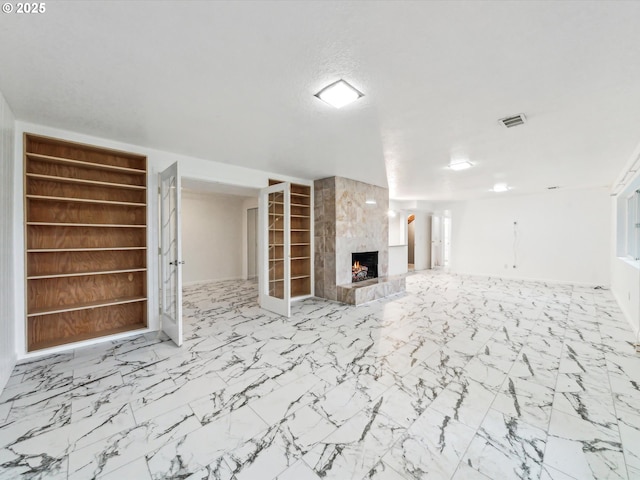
{"x": 170, "y": 254}
{"x": 436, "y": 241}
{"x": 446, "y": 243}
{"x": 274, "y": 233}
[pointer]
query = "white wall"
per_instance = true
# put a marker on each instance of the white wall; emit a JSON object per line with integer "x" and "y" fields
{"x": 212, "y": 242}
{"x": 625, "y": 274}
{"x": 422, "y": 241}
{"x": 562, "y": 235}
{"x": 7, "y": 313}
{"x": 157, "y": 160}
{"x": 397, "y": 259}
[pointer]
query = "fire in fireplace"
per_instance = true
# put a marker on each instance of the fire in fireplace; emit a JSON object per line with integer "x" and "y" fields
{"x": 364, "y": 265}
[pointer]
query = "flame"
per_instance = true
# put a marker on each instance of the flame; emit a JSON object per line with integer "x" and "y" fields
{"x": 356, "y": 266}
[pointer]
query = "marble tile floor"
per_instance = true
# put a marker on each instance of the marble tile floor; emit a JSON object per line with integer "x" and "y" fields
{"x": 458, "y": 378}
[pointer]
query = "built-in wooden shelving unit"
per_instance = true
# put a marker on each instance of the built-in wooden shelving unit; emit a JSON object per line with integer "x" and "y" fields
{"x": 86, "y": 241}
{"x": 300, "y": 231}
{"x": 300, "y": 240}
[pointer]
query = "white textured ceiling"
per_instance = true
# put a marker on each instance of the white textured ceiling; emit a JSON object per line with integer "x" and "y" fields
{"x": 234, "y": 82}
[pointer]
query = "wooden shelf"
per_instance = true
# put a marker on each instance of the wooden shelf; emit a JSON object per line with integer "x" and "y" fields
{"x": 86, "y": 241}
{"x": 86, "y": 306}
{"x": 100, "y": 225}
{"x": 299, "y": 258}
{"x": 87, "y": 336}
{"x": 86, "y": 274}
{"x": 84, "y": 200}
{"x": 101, "y": 249}
{"x": 83, "y": 164}
{"x": 80, "y": 181}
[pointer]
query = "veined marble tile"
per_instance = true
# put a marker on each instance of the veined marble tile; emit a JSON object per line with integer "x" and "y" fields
{"x": 595, "y": 382}
{"x": 406, "y": 357}
{"x": 506, "y": 446}
{"x": 218, "y": 470}
{"x": 42, "y": 366}
{"x": 33, "y": 385}
{"x": 465, "y": 472}
{"x": 33, "y": 425}
{"x": 431, "y": 448}
{"x": 53, "y": 446}
{"x": 584, "y": 450}
{"x": 537, "y": 366}
{"x": 131, "y": 444}
{"x": 165, "y": 400}
{"x": 278, "y": 449}
{"x": 224, "y": 401}
{"x": 283, "y": 401}
{"x": 382, "y": 471}
{"x": 201, "y": 447}
{"x": 137, "y": 470}
{"x": 549, "y": 473}
{"x": 299, "y": 471}
{"x": 629, "y": 426}
{"x": 344, "y": 401}
{"x": 354, "y": 448}
{"x": 5, "y": 408}
{"x": 527, "y": 401}
{"x": 403, "y": 358}
{"x": 14, "y": 379}
{"x": 33, "y": 402}
{"x": 624, "y": 368}
{"x": 466, "y": 401}
{"x": 34, "y": 467}
{"x": 442, "y": 367}
{"x": 594, "y": 408}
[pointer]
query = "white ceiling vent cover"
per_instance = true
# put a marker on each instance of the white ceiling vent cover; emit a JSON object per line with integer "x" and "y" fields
{"x": 513, "y": 121}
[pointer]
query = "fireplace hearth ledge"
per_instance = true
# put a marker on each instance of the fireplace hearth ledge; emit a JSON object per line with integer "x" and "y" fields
{"x": 369, "y": 290}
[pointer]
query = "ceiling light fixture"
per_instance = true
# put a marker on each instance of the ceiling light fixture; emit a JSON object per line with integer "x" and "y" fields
{"x": 370, "y": 201}
{"x": 500, "y": 188}
{"x": 457, "y": 165}
{"x": 339, "y": 94}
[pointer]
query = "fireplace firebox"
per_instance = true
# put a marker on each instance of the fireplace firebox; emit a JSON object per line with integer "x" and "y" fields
{"x": 364, "y": 265}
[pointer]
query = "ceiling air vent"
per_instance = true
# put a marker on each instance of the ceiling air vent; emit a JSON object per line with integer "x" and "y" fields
{"x": 513, "y": 121}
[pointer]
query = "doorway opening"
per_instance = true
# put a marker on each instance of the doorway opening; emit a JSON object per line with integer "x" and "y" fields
{"x": 411, "y": 242}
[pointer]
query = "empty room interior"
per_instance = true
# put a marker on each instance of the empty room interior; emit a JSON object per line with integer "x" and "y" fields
{"x": 320, "y": 240}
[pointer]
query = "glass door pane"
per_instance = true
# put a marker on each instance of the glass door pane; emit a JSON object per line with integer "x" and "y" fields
{"x": 275, "y": 288}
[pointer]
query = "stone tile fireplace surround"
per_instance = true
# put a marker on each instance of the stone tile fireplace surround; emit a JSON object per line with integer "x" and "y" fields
{"x": 346, "y": 224}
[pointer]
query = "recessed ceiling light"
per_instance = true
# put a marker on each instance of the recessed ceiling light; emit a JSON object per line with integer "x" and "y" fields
{"x": 458, "y": 165}
{"x": 339, "y": 94}
{"x": 501, "y": 187}
{"x": 370, "y": 202}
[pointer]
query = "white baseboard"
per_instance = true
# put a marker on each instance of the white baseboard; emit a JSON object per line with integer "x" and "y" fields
{"x": 211, "y": 280}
